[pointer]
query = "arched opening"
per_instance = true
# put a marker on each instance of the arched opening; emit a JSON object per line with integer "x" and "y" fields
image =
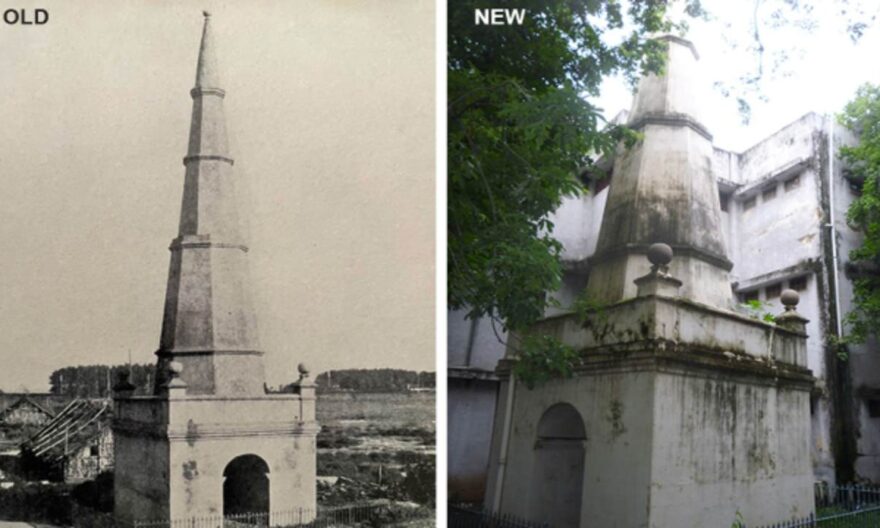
{"x": 559, "y": 467}
{"x": 246, "y": 488}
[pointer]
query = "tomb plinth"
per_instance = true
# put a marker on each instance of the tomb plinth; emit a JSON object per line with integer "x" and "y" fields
{"x": 680, "y": 411}
{"x": 211, "y": 442}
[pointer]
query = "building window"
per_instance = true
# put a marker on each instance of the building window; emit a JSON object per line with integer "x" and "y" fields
{"x": 749, "y": 296}
{"x": 768, "y": 194}
{"x": 792, "y": 183}
{"x": 773, "y": 292}
{"x": 748, "y": 204}
{"x": 725, "y": 202}
{"x": 798, "y": 284}
{"x": 874, "y": 408}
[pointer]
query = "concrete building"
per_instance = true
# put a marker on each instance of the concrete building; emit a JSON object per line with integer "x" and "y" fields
{"x": 210, "y": 441}
{"x": 782, "y": 216}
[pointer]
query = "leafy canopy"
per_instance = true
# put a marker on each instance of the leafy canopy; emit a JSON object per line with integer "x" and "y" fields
{"x": 862, "y": 116}
{"x": 519, "y": 132}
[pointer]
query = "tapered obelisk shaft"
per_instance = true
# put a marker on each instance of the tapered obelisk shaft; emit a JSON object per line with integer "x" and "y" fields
{"x": 209, "y": 324}
{"x": 663, "y": 190}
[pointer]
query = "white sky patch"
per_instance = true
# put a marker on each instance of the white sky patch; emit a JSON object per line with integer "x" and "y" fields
{"x": 823, "y": 77}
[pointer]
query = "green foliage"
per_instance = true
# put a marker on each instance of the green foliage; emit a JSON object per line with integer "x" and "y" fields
{"x": 520, "y": 132}
{"x": 755, "y": 309}
{"x": 840, "y": 346}
{"x": 771, "y": 42}
{"x": 541, "y": 358}
{"x": 588, "y": 308}
{"x": 862, "y": 116}
{"x": 738, "y": 521}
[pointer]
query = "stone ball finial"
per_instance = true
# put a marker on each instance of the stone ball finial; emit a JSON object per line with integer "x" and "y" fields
{"x": 303, "y": 370}
{"x": 789, "y": 298}
{"x": 122, "y": 382}
{"x": 660, "y": 254}
{"x": 174, "y": 369}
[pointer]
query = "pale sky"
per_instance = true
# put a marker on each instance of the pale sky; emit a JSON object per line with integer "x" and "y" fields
{"x": 823, "y": 79}
{"x": 330, "y": 109}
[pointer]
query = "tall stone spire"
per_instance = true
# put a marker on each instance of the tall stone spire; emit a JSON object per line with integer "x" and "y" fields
{"x": 189, "y": 450}
{"x": 663, "y": 190}
{"x": 206, "y": 71}
{"x": 209, "y": 325}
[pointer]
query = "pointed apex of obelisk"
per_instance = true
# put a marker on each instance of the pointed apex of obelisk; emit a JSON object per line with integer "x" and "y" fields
{"x": 206, "y": 72}
{"x": 678, "y": 93}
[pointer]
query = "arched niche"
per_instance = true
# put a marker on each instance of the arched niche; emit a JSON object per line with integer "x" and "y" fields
{"x": 246, "y": 488}
{"x": 558, "y": 474}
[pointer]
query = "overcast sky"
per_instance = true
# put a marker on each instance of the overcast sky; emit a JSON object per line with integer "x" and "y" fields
{"x": 331, "y": 116}
{"x": 330, "y": 108}
{"x": 823, "y": 76}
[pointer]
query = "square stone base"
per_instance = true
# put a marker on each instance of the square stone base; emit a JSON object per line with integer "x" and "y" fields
{"x": 658, "y": 432}
{"x": 174, "y": 456}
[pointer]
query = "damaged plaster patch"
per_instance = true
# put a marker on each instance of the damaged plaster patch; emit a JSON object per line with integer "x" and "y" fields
{"x": 192, "y": 432}
{"x": 615, "y": 418}
{"x": 190, "y": 470}
{"x": 807, "y": 240}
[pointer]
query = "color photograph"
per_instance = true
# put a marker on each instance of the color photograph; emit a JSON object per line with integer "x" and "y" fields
{"x": 662, "y": 258}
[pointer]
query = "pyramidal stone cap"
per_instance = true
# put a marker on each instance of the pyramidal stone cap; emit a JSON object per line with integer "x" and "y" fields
{"x": 209, "y": 325}
{"x": 664, "y": 190}
{"x": 678, "y": 94}
{"x": 207, "y": 76}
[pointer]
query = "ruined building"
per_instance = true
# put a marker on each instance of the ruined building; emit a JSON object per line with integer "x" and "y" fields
{"x": 23, "y": 414}
{"x": 74, "y": 446}
{"x": 210, "y": 441}
{"x": 781, "y": 224}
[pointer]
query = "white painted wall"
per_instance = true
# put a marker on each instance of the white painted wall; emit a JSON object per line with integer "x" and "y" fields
{"x": 762, "y": 242}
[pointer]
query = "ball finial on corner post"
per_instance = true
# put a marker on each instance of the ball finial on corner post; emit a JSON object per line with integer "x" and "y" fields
{"x": 658, "y": 281}
{"x": 790, "y": 299}
{"x": 789, "y": 318}
{"x": 660, "y": 255}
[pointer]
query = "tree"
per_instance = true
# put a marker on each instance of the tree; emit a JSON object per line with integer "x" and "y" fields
{"x": 768, "y": 41}
{"x": 371, "y": 380}
{"x": 520, "y": 131}
{"x": 862, "y": 116}
{"x": 96, "y": 381}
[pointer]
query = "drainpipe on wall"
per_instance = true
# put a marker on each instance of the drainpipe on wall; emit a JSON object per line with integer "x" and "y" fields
{"x": 843, "y": 428}
{"x": 833, "y": 225}
{"x": 505, "y": 443}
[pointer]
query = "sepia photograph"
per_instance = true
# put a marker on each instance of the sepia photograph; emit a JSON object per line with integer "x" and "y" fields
{"x": 663, "y": 264}
{"x": 217, "y": 259}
